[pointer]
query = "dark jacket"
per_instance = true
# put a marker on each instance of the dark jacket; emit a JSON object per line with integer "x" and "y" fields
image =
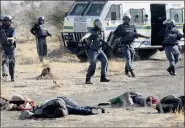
{"x": 170, "y": 36}
{"x": 171, "y": 104}
{"x": 95, "y": 42}
{"x": 9, "y": 46}
{"x": 3, "y": 37}
{"x": 127, "y": 33}
{"x": 39, "y": 30}
{"x": 184, "y": 29}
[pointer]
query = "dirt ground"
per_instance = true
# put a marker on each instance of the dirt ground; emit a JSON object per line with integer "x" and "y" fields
{"x": 152, "y": 79}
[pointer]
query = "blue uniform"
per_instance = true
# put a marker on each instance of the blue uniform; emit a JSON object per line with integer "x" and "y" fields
{"x": 9, "y": 52}
{"x": 94, "y": 53}
{"x": 184, "y": 29}
{"x": 41, "y": 33}
{"x": 127, "y": 33}
{"x": 170, "y": 43}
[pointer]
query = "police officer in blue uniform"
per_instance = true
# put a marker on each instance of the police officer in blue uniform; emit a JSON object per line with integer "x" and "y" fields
{"x": 8, "y": 48}
{"x": 3, "y": 37}
{"x": 40, "y": 32}
{"x": 127, "y": 32}
{"x": 170, "y": 43}
{"x": 1, "y": 20}
{"x": 94, "y": 52}
{"x": 184, "y": 28}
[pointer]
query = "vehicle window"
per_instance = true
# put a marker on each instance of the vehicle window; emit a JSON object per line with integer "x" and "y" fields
{"x": 78, "y": 9}
{"x": 137, "y": 16}
{"x": 114, "y": 8}
{"x": 177, "y": 15}
{"x": 95, "y": 9}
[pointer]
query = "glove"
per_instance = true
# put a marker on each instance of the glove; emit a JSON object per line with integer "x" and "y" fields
{"x": 179, "y": 37}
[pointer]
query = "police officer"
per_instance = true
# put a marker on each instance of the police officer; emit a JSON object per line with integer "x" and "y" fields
{"x": 9, "y": 48}
{"x": 184, "y": 29}
{"x": 1, "y": 20}
{"x": 3, "y": 37}
{"x": 127, "y": 32}
{"x": 40, "y": 32}
{"x": 170, "y": 43}
{"x": 94, "y": 52}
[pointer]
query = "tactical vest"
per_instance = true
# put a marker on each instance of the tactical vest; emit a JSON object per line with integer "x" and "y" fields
{"x": 94, "y": 42}
{"x": 9, "y": 31}
{"x": 170, "y": 37}
{"x": 42, "y": 32}
{"x": 128, "y": 32}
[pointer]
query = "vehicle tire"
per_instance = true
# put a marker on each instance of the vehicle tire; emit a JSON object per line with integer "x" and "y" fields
{"x": 145, "y": 54}
{"x": 82, "y": 57}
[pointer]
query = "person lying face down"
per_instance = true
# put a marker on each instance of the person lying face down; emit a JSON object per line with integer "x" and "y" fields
{"x": 59, "y": 107}
{"x": 171, "y": 104}
{"x": 131, "y": 99}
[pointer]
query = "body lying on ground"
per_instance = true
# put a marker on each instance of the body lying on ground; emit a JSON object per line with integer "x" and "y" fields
{"x": 171, "y": 103}
{"x": 16, "y": 103}
{"x": 59, "y": 107}
{"x": 131, "y": 99}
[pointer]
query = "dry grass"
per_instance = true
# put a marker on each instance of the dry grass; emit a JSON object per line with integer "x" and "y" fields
{"x": 116, "y": 67}
{"x": 179, "y": 116}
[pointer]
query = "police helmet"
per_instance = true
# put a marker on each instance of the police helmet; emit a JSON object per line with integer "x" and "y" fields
{"x": 7, "y": 18}
{"x": 41, "y": 18}
{"x": 98, "y": 23}
{"x": 169, "y": 21}
{"x": 127, "y": 15}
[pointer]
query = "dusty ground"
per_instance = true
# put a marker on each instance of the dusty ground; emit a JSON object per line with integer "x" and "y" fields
{"x": 152, "y": 79}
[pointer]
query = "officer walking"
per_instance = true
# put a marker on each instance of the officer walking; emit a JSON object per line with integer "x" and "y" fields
{"x": 127, "y": 32}
{"x": 94, "y": 52}
{"x": 184, "y": 28}
{"x": 170, "y": 43}
{"x": 40, "y": 32}
{"x": 1, "y": 20}
{"x": 8, "y": 48}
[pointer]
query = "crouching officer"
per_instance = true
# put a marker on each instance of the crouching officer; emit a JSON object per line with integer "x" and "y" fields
{"x": 94, "y": 52}
{"x": 127, "y": 32}
{"x": 8, "y": 48}
{"x": 40, "y": 32}
{"x": 170, "y": 43}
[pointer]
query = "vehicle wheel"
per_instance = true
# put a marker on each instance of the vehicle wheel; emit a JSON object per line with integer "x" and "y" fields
{"x": 82, "y": 57}
{"x": 145, "y": 54}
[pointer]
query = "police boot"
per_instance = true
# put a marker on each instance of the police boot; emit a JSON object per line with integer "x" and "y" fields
{"x": 132, "y": 74}
{"x": 170, "y": 70}
{"x": 88, "y": 81}
{"x": 41, "y": 58}
{"x": 173, "y": 71}
{"x": 127, "y": 73}
{"x": 5, "y": 76}
{"x": 104, "y": 79}
{"x": 12, "y": 77}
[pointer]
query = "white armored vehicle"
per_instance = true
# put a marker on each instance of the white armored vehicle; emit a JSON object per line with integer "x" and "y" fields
{"x": 148, "y": 16}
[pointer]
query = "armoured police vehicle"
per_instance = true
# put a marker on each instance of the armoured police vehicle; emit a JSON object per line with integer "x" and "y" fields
{"x": 148, "y": 16}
